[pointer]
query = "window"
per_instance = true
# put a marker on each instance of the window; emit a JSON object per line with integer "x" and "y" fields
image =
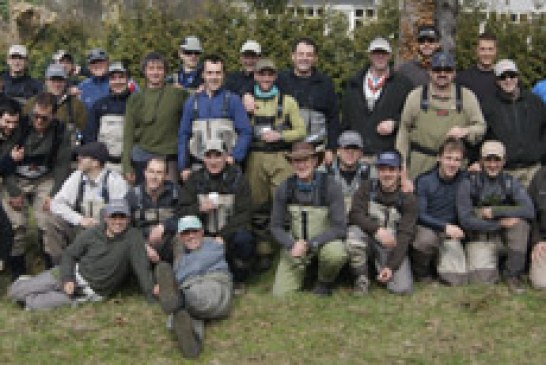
{"x": 370, "y": 13}
{"x": 359, "y": 13}
{"x": 310, "y": 11}
{"x": 514, "y": 17}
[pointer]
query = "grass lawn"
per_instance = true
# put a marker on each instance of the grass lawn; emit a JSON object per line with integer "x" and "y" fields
{"x": 436, "y": 325}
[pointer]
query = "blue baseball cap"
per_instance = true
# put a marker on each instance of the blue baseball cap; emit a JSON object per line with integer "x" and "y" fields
{"x": 189, "y": 222}
{"x": 389, "y": 158}
{"x": 442, "y": 60}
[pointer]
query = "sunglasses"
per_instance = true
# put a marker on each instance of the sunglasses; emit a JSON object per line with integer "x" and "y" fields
{"x": 45, "y": 118}
{"x": 509, "y": 74}
{"x": 118, "y": 216}
{"x": 443, "y": 69}
{"x": 191, "y": 53}
{"x": 422, "y": 40}
{"x": 492, "y": 158}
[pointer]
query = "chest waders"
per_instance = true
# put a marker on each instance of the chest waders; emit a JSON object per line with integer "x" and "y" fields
{"x": 148, "y": 216}
{"x": 92, "y": 206}
{"x": 218, "y": 218}
{"x": 315, "y": 126}
{"x": 275, "y": 122}
{"x": 362, "y": 172}
{"x": 204, "y": 130}
{"x": 111, "y": 134}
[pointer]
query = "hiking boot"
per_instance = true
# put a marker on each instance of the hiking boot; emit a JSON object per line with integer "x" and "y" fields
{"x": 188, "y": 342}
{"x": 322, "y": 289}
{"x": 361, "y": 286}
{"x": 515, "y": 285}
{"x": 239, "y": 288}
{"x": 169, "y": 294}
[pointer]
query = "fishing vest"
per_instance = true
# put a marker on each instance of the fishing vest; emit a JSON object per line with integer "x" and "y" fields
{"x": 277, "y": 122}
{"x": 480, "y": 198}
{"x": 308, "y": 220}
{"x": 111, "y": 134}
{"x": 204, "y": 130}
{"x": 145, "y": 216}
{"x": 386, "y": 216}
{"x": 92, "y": 207}
{"x": 362, "y": 173}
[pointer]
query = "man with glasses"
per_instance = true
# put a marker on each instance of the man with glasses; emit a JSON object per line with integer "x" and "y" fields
{"x": 17, "y": 84}
{"x": 435, "y": 111}
{"x": 428, "y": 43}
{"x": 189, "y": 75}
{"x": 373, "y": 101}
{"x": 494, "y": 210}
{"x": 38, "y": 176}
{"x": 516, "y": 117}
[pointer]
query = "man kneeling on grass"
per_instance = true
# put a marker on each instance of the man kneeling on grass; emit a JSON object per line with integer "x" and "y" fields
{"x": 93, "y": 267}
{"x": 199, "y": 288}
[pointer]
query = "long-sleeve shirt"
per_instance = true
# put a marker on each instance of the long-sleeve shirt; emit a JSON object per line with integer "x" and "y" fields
{"x": 64, "y": 202}
{"x": 537, "y": 192}
{"x": 212, "y": 107}
{"x": 105, "y": 262}
{"x": 359, "y": 215}
{"x": 437, "y": 197}
{"x": 522, "y": 206}
{"x": 336, "y": 213}
{"x": 208, "y": 258}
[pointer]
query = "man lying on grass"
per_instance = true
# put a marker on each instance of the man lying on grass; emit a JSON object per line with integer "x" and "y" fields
{"x": 93, "y": 267}
{"x": 199, "y": 288}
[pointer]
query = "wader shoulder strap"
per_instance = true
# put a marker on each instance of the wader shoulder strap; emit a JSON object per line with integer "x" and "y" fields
{"x": 225, "y": 104}
{"x": 425, "y": 101}
{"x": 458, "y": 98}
{"x": 374, "y": 188}
{"x": 195, "y": 109}
{"x": 79, "y": 196}
{"x": 424, "y": 98}
{"x": 105, "y": 193}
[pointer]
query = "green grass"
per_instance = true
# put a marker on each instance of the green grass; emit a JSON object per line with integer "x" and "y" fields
{"x": 436, "y": 325}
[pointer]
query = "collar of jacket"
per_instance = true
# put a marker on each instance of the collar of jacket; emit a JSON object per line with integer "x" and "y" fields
{"x": 358, "y": 79}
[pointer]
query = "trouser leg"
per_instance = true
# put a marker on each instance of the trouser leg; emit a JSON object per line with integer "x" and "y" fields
{"x": 482, "y": 261}
{"x": 58, "y": 235}
{"x": 290, "y": 273}
{"x": 6, "y": 238}
{"x": 40, "y": 292}
{"x": 208, "y": 297}
{"x": 402, "y": 279}
{"x": 515, "y": 238}
{"x": 357, "y": 249}
{"x": 423, "y": 252}
{"x": 240, "y": 252}
{"x": 452, "y": 262}
{"x": 537, "y": 273}
{"x": 331, "y": 258}
{"x": 18, "y": 219}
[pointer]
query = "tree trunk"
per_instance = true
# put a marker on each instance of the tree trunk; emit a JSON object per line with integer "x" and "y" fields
{"x": 446, "y": 19}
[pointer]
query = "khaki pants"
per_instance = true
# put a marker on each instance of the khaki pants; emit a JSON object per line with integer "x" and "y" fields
{"x": 38, "y": 190}
{"x": 483, "y": 250}
{"x": 524, "y": 174}
{"x": 450, "y": 252}
{"x": 537, "y": 273}
{"x": 291, "y": 270}
{"x": 265, "y": 172}
{"x": 57, "y": 236}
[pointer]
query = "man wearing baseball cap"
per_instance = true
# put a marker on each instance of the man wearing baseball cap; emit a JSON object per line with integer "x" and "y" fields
{"x": 17, "y": 84}
{"x": 516, "y": 117}
{"x": 96, "y": 85}
{"x": 428, "y": 43}
{"x": 377, "y": 122}
{"x": 197, "y": 288}
{"x": 70, "y": 110}
{"x": 220, "y": 195}
{"x": 189, "y": 75}
{"x": 382, "y": 224}
{"x": 242, "y": 81}
{"x": 435, "y": 111}
{"x": 495, "y": 210}
{"x": 93, "y": 267}
{"x": 78, "y": 204}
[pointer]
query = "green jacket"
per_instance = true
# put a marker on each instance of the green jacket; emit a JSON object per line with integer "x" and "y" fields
{"x": 152, "y": 118}
{"x": 79, "y": 112}
{"x": 106, "y": 262}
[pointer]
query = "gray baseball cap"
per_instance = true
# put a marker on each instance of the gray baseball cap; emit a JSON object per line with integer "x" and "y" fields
{"x": 117, "y": 67}
{"x": 97, "y": 54}
{"x": 56, "y": 70}
{"x": 350, "y": 138}
{"x": 191, "y": 43}
{"x": 117, "y": 206}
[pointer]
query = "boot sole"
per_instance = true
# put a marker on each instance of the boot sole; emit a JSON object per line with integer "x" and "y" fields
{"x": 169, "y": 296}
{"x": 188, "y": 343}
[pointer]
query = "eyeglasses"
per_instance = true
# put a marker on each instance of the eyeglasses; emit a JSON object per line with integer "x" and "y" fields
{"x": 443, "y": 69}
{"x": 191, "y": 53}
{"x": 509, "y": 74}
{"x": 118, "y": 216}
{"x": 422, "y": 40}
{"x": 491, "y": 158}
{"x": 45, "y": 118}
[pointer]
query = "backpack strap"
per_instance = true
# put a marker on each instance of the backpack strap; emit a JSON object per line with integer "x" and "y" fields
{"x": 105, "y": 193}
{"x": 195, "y": 109}
{"x": 79, "y": 195}
{"x": 225, "y": 104}
{"x": 458, "y": 98}
{"x": 424, "y": 98}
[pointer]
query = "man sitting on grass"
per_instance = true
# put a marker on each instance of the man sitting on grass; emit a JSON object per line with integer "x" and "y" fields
{"x": 199, "y": 288}
{"x": 93, "y": 267}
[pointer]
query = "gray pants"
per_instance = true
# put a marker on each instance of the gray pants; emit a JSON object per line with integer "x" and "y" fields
{"x": 450, "y": 252}
{"x": 58, "y": 235}
{"x": 361, "y": 246}
{"x": 43, "y": 291}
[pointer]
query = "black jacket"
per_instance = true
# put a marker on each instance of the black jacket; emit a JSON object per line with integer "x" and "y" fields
{"x": 23, "y": 87}
{"x": 520, "y": 124}
{"x": 314, "y": 92}
{"x": 356, "y": 115}
{"x": 240, "y": 82}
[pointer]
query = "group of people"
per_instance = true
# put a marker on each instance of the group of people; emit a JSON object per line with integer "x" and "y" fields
{"x": 197, "y": 179}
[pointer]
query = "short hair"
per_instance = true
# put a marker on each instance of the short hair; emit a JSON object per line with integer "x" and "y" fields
{"x": 452, "y": 144}
{"x": 213, "y": 58}
{"x": 305, "y": 40}
{"x": 487, "y": 36}
{"x": 154, "y": 56}
{"x": 10, "y": 106}
{"x": 157, "y": 159}
{"x": 46, "y": 100}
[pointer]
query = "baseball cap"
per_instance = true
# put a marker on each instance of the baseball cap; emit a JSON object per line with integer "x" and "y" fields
{"x": 60, "y": 54}
{"x": 265, "y": 64}
{"x": 493, "y": 148}
{"x": 19, "y": 50}
{"x": 380, "y": 44}
{"x": 442, "y": 60}
{"x": 189, "y": 222}
{"x": 389, "y": 158}
{"x": 116, "y": 67}
{"x": 214, "y": 145}
{"x": 55, "y": 70}
{"x": 350, "y": 138}
{"x": 427, "y": 31}
{"x": 251, "y": 46}
{"x": 505, "y": 65}
{"x": 96, "y": 54}
{"x": 95, "y": 150}
{"x": 117, "y": 206}
{"x": 191, "y": 43}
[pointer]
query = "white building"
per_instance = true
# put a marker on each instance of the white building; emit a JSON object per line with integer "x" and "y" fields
{"x": 514, "y": 10}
